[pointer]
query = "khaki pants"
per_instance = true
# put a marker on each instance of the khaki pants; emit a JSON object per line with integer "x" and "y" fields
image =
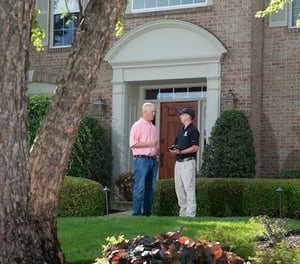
{"x": 185, "y": 173}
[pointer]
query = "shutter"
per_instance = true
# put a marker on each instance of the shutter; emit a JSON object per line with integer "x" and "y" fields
{"x": 279, "y": 19}
{"x": 43, "y": 19}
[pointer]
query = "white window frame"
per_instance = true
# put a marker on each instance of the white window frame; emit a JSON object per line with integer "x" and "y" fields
{"x": 131, "y": 10}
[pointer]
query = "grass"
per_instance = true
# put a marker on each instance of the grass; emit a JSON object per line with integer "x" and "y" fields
{"x": 82, "y": 238}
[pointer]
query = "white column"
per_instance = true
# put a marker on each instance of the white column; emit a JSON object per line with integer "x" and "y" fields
{"x": 213, "y": 96}
{"x": 119, "y": 123}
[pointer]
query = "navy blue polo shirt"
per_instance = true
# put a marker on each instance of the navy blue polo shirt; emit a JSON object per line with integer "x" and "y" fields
{"x": 186, "y": 138}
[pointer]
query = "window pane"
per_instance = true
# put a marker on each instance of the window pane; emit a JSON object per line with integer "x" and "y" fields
{"x": 64, "y": 29}
{"x": 180, "y": 93}
{"x": 61, "y": 6}
{"x": 142, "y": 4}
{"x": 150, "y": 3}
{"x": 165, "y": 94}
{"x": 174, "y": 2}
{"x": 138, "y": 4}
{"x": 295, "y": 11}
{"x": 151, "y": 94}
{"x": 197, "y": 92}
{"x": 162, "y": 3}
{"x": 185, "y": 2}
{"x": 177, "y": 93}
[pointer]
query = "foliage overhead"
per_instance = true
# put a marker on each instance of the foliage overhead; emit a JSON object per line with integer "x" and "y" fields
{"x": 273, "y": 7}
{"x": 37, "y": 33}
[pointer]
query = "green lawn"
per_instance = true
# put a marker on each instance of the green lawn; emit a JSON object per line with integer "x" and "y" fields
{"x": 82, "y": 238}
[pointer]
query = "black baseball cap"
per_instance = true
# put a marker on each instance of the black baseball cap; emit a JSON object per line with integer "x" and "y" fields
{"x": 188, "y": 111}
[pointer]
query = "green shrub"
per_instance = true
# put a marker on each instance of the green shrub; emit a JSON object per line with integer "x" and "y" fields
{"x": 277, "y": 248}
{"x": 233, "y": 197}
{"x": 241, "y": 245}
{"x": 293, "y": 174}
{"x": 230, "y": 150}
{"x": 91, "y": 153}
{"x": 37, "y": 107}
{"x": 79, "y": 162}
{"x": 101, "y": 159}
{"x": 81, "y": 197}
{"x": 274, "y": 230}
{"x": 224, "y": 197}
{"x": 281, "y": 253}
{"x": 165, "y": 201}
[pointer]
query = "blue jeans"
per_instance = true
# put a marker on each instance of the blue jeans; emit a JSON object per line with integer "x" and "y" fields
{"x": 145, "y": 173}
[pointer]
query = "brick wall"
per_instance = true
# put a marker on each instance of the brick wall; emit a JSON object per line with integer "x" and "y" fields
{"x": 281, "y": 100}
{"x": 261, "y": 68}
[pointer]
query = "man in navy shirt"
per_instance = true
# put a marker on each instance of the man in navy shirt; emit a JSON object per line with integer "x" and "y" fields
{"x": 187, "y": 145}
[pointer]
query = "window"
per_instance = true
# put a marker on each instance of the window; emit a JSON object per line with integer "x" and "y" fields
{"x": 176, "y": 93}
{"x": 63, "y": 17}
{"x": 65, "y": 22}
{"x": 154, "y": 5}
{"x": 286, "y": 17}
{"x": 64, "y": 29}
{"x": 295, "y": 12}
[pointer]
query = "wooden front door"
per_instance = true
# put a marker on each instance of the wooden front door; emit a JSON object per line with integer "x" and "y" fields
{"x": 169, "y": 126}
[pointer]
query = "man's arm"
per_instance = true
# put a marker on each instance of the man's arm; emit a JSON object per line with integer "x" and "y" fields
{"x": 151, "y": 143}
{"x": 192, "y": 149}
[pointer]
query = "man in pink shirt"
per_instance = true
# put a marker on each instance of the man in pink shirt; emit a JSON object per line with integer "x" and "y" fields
{"x": 144, "y": 145}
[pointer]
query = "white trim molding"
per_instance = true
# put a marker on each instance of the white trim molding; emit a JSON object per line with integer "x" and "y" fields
{"x": 160, "y": 51}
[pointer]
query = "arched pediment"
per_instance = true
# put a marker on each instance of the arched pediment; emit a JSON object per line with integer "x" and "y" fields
{"x": 165, "y": 40}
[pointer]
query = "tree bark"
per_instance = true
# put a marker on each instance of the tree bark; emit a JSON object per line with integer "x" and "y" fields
{"x": 16, "y": 229}
{"x": 30, "y": 184}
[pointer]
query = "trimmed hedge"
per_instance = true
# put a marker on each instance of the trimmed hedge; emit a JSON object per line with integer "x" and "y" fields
{"x": 233, "y": 197}
{"x": 81, "y": 197}
{"x": 292, "y": 174}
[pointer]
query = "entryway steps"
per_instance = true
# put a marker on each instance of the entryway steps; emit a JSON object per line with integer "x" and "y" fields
{"x": 121, "y": 205}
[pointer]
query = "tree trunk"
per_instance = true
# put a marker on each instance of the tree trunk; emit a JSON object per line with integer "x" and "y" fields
{"x": 17, "y": 234}
{"x": 29, "y": 186}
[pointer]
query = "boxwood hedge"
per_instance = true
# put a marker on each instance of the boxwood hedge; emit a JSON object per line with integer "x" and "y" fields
{"x": 81, "y": 197}
{"x": 222, "y": 197}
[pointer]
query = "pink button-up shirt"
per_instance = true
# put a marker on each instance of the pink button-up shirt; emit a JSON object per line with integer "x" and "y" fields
{"x": 143, "y": 131}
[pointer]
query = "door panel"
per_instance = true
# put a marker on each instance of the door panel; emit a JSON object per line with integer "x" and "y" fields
{"x": 169, "y": 126}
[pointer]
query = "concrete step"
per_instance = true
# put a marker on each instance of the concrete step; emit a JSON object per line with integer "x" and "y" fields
{"x": 121, "y": 205}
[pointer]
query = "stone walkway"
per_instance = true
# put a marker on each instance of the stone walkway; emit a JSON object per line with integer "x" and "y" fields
{"x": 121, "y": 213}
